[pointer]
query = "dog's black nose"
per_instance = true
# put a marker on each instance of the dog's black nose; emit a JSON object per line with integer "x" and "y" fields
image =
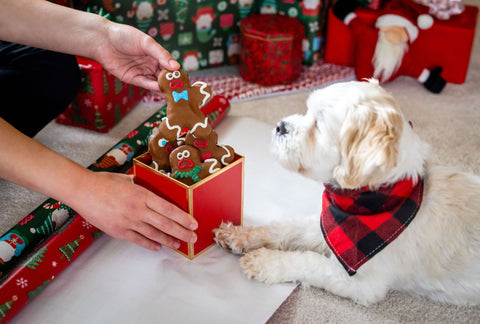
{"x": 281, "y": 128}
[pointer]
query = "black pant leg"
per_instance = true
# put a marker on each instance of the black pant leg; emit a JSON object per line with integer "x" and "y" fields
{"x": 35, "y": 85}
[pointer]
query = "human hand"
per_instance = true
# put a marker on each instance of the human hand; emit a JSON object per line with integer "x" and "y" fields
{"x": 133, "y": 56}
{"x": 122, "y": 209}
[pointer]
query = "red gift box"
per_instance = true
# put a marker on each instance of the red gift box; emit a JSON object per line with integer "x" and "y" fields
{"x": 271, "y": 50}
{"x": 448, "y": 43}
{"x": 102, "y": 99}
{"x": 217, "y": 198}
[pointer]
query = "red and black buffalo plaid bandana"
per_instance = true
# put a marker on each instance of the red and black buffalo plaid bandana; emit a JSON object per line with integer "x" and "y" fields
{"x": 357, "y": 224}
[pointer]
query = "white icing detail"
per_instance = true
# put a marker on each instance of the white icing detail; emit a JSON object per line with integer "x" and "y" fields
{"x": 172, "y": 75}
{"x": 183, "y": 155}
{"x": 211, "y": 169}
{"x": 225, "y": 156}
{"x": 205, "y": 94}
{"x": 179, "y": 130}
{"x": 202, "y": 125}
{"x": 155, "y": 165}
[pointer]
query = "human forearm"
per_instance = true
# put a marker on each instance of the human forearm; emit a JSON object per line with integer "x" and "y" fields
{"x": 111, "y": 202}
{"x": 42, "y": 24}
{"x": 126, "y": 52}
{"x": 30, "y": 164}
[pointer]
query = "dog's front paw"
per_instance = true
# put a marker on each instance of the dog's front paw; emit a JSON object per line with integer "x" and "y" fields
{"x": 265, "y": 265}
{"x": 231, "y": 238}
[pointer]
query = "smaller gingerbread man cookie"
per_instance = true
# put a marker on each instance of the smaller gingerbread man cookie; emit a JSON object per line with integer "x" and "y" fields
{"x": 208, "y": 148}
{"x": 187, "y": 166}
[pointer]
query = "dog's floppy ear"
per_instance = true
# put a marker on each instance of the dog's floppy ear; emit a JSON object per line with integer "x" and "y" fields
{"x": 369, "y": 141}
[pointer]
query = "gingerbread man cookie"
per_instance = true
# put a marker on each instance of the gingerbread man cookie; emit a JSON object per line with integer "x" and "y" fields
{"x": 208, "y": 148}
{"x": 188, "y": 167}
{"x": 183, "y": 104}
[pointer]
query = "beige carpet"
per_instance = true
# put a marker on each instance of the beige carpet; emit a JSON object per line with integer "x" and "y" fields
{"x": 448, "y": 121}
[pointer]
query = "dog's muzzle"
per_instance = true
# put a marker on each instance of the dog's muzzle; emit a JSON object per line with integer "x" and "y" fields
{"x": 281, "y": 128}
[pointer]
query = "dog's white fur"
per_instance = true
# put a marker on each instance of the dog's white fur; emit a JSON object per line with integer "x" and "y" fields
{"x": 354, "y": 135}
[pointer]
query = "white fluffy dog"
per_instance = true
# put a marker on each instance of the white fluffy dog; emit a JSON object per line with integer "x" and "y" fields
{"x": 356, "y": 141}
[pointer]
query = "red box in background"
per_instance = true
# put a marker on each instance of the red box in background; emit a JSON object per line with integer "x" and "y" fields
{"x": 217, "y": 198}
{"x": 448, "y": 43}
{"x": 271, "y": 51}
{"x": 102, "y": 99}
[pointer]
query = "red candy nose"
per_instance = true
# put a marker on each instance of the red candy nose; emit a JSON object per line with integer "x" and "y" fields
{"x": 185, "y": 163}
{"x": 176, "y": 84}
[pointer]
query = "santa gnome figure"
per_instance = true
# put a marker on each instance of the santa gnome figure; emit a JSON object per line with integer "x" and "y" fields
{"x": 383, "y": 51}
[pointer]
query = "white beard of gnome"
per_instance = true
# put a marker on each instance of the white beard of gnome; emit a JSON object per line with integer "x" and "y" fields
{"x": 387, "y": 58}
{"x": 8, "y": 248}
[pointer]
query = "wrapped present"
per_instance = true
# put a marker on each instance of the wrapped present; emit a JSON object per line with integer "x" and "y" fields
{"x": 448, "y": 43}
{"x": 215, "y": 199}
{"x": 311, "y": 13}
{"x": 102, "y": 99}
{"x": 271, "y": 49}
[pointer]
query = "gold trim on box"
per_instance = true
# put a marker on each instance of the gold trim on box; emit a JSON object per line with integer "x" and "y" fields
{"x": 241, "y": 159}
{"x": 269, "y": 38}
{"x": 193, "y": 186}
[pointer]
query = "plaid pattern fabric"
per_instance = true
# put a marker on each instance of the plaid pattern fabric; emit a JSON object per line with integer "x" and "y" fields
{"x": 357, "y": 224}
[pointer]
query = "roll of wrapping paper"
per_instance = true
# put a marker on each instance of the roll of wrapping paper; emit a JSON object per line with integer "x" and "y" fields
{"x": 45, "y": 242}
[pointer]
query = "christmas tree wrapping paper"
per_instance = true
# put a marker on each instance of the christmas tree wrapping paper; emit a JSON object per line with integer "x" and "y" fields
{"x": 49, "y": 260}
{"x": 102, "y": 99}
{"x": 44, "y": 243}
{"x": 202, "y": 34}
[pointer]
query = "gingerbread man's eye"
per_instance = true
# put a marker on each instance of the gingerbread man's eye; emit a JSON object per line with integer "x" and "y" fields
{"x": 162, "y": 142}
{"x": 183, "y": 155}
{"x": 173, "y": 75}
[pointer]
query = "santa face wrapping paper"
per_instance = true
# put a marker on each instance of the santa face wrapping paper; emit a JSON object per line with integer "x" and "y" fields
{"x": 201, "y": 34}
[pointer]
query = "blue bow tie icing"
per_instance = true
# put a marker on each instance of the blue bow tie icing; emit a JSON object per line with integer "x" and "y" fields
{"x": 180, "y": 95}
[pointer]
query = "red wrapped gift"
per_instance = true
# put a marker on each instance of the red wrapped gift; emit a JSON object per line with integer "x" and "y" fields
{"x": 271, "y": 50}
{"x": 448, "y": 43}
{"x": 102, "y": 99}
{"x": 217, "y": 198}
